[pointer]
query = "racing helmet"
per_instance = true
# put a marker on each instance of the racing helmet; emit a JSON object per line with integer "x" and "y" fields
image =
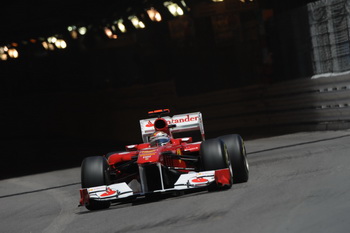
{"x": 159, "y": 138}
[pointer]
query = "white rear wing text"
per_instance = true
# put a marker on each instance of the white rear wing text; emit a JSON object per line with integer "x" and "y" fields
{"x": 184, "y": 123}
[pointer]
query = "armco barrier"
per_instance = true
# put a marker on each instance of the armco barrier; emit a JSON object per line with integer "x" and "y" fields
{"x": 297, "y": 105}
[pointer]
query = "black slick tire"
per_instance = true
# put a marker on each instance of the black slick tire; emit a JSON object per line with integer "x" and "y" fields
{"x": 214, "y": 156}
{"x": 95, "y": 172}
{"x": 238, "y": 157}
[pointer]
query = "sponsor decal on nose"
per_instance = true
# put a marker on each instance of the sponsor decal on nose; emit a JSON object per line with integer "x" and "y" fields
{"x": 199, "y": 180}
{"x": 109, "y": 192}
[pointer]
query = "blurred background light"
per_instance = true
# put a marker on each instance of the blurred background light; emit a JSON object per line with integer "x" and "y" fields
{"x": 174, "y": 8}
{"x": 71, "y": 28}
{"x": 3, "y": 56}
{"x": 51, "y": 47}
{"x": 154, "y": 15}
{"x": 13, "y": 53}
{"x": 61, "y": 44}
{"x": 136, "y": 21}
{"x": 108, "y": 32}
{"x": 45, "y": 44}
{"x": 121, "y": 25}
{"x": 82, "y": 30}
{"x": 51, "y": 39}
{"x": 73, "y": 31}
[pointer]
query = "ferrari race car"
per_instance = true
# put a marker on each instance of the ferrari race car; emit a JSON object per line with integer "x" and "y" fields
{"x": 164, "y": 163}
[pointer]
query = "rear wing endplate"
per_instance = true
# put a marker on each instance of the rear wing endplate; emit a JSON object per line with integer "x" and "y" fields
{"x": 184, "y": 123}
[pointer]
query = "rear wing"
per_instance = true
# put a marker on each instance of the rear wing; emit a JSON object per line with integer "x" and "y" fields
{"x": 184, "y": 123}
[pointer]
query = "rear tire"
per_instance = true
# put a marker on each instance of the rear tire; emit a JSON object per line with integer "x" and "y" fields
{"x": 214, "y": 156}
{"x": 95, "y": 172}
{"x": 238, "y": 157}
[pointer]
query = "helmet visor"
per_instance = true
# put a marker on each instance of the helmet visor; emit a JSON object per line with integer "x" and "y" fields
{"x": 160, "y": 141}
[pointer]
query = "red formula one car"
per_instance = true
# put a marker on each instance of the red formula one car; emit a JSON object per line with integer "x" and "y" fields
{"x": 164, "y": 163}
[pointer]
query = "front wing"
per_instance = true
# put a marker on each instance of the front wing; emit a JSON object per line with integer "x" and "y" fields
{"x": 187, "y": 181}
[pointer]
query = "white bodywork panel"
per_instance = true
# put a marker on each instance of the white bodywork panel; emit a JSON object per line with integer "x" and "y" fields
{"x": 110, "y": 192}
{"x": 194, "y": 180}
{"x": 184, "y": 123}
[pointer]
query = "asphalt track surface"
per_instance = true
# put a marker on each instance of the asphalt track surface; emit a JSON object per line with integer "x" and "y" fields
{"x": 298, "y": 183}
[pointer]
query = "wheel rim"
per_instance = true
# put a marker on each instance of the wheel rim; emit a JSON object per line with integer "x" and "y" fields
{"x": 245, "y": 160}
{"x": 246, "y": 163}
{"x": 228, "y": 162}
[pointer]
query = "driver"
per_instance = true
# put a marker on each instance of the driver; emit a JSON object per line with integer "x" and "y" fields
{"x": 159, "y": 138}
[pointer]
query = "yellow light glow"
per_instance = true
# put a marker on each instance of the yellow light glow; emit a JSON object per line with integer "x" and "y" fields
{"x": 136, "y": 22}
{"x": 108, "y": 32}
{"x": 51, "y": 39}
{"x": 61, "y": 44}
{"x": 45, "y": 45}
{"x": 154, "y": 15}
{"x": 174, "y": 8}
{"x": 121, "y": 26}
{"x": 82, "y": 30}
{"x": 3, "y": 57}
{"x": 179, "y": 11}
{"x": 13, "y": 53}
{"x": 58, "y": 43}
{"x": 141, "y": 25}
{"x": 158, "y": 17}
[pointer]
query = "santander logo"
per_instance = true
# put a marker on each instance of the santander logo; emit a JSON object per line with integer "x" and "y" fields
{"x": 149, "y": 124}
{"x": 109, "y": 192}
{"x": 184, "y": 119}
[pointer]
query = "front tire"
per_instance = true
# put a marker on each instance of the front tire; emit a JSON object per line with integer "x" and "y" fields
{"x": 95, "y": 172}
{"x": 238, "y": 157}
{"x": 214, "y": 156}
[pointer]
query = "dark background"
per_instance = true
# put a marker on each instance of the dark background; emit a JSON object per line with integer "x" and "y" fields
{"x": 61, "y": 106}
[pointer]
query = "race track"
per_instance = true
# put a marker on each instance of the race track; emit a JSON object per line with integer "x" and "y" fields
{"x": 298, "y": 183}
